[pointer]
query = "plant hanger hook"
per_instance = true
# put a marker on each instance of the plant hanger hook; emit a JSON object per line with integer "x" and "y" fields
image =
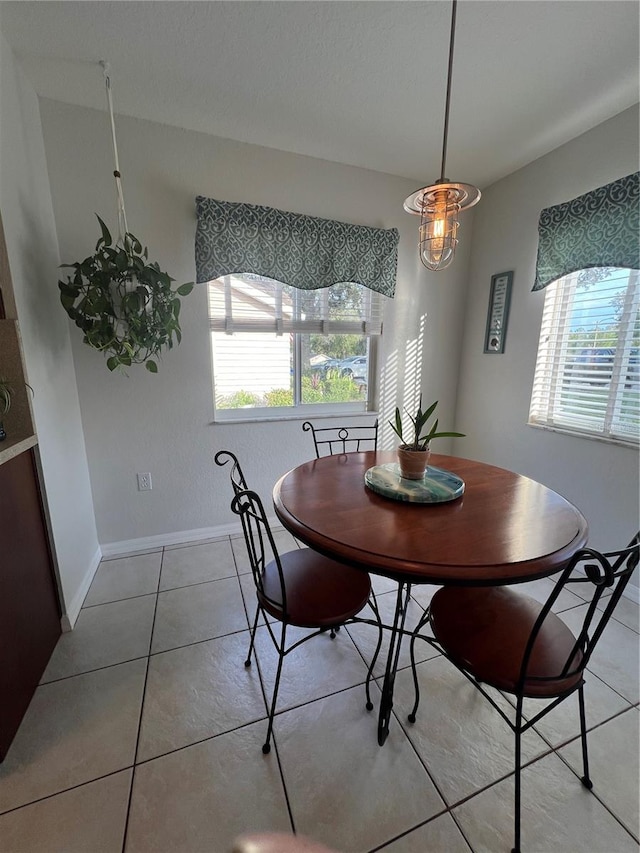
{"x": 122, "y": 216}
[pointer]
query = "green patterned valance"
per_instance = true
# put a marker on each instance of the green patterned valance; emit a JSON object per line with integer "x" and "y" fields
{"x": 597, "y": 229}
{"x": 302, "y": 251}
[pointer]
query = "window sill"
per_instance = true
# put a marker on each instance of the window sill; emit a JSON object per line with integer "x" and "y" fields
{"x": 293, "y": 417}
{"x": 632, "y": 445}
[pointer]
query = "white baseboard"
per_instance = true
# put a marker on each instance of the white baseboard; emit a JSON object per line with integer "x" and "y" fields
{"x": 68, "y": 619}
{"x": 180, "y": 537}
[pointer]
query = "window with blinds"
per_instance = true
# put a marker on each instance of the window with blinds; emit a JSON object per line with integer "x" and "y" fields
{"x": 277, "y": 347}
{"x": 587, "y": 376}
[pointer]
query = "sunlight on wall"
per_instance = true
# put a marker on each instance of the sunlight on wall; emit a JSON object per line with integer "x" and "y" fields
{"x": 400, "y": 384}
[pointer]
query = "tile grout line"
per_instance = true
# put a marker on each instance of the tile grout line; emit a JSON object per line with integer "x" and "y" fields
{"x": 143, "y": 656}
{"x": 549, "y": 751}
{"x": 202, "y": 740}
{"x": 448, "y": 809}
{"x": 262, "y": 686}
{"x": 610, "y": 686}
{"x": 412, "y": 829}
{"x": 66, "y": 790}
{"x": 284, "y": 784}
{"x": 144, "y": 692}
{"x": 136, "y": 763}
{"x": 116, "y": 600}
{"x": 595, "y": 794}
{"x": 157, "y": 592}
{"x": 436, "y": 787}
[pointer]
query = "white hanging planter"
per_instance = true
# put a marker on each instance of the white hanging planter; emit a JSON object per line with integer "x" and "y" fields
{"x": 125, "y": 306}
{"x": 123, "y": 303}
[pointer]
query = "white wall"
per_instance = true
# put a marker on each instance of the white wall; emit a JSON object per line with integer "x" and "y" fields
{"x": 162, "y": 424}
{"x": 494, "y": 390}
{"x": 25, "y": 202}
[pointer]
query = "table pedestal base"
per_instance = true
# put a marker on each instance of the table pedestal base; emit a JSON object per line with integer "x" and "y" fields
{"x": 395, "y": 642}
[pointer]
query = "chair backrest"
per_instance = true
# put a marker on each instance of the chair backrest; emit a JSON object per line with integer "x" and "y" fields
{"x": 236, "y": 475}
{"x": 606, "y": 571}
{"x": 261, "y": 547}
{"x": 255, "y": 527}
{"x": 329, "y": 441}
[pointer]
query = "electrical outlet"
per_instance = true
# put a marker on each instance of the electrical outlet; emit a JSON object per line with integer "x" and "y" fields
{"x": 144, "y": 482}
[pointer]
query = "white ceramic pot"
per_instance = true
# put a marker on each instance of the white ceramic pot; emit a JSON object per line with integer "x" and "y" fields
{"x": 413, "y": 463}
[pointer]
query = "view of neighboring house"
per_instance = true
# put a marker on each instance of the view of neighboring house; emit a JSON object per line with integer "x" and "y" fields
{"x": 234, "y": 350}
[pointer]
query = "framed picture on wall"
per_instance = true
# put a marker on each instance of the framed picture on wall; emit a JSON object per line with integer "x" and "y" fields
{"x": 498, "y": 313}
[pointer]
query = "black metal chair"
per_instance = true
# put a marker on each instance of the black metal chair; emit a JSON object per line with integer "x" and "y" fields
{"x": 507, "y": 640}
{"x": 236, "y": 475}
{"x": 301, "y": 588}
{"x": 333, "y": 440}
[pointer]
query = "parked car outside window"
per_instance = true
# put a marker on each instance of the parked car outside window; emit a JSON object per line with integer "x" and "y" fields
{"x": 594, "y": 366}
{"x": 356, "y": 367}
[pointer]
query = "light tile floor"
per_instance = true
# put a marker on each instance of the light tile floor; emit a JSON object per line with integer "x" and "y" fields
{"x": 145, "y": 732}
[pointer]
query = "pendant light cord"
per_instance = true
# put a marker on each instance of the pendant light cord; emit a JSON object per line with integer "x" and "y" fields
{"x": 449, "y": 76}
{"x": 122, "y": 216}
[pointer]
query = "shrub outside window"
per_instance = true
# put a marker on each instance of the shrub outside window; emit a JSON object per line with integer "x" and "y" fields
{"x": 587, "y": 376}
{"x": 281, "y": 351}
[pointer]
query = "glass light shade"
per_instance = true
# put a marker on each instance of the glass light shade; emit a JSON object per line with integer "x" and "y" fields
{"x": 438, "y": 206}
{"x": 438, "y": 230}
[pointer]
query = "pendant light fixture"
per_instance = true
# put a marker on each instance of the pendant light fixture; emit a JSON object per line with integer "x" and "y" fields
{"x": 439, "y": 204}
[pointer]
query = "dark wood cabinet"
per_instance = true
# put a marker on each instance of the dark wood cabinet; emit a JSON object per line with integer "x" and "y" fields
{"x": 29, "y": 609}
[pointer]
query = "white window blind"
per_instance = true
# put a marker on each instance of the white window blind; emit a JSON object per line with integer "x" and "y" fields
{"x": 254, "y": 304}
{"x": 587, "y": 376}
{"x": 278, "y": 349}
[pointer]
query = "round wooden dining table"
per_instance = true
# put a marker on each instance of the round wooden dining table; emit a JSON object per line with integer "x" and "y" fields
{"x": 504, "y": 529}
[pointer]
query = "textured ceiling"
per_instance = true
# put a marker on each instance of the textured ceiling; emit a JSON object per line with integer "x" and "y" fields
{"x": 361, "y": 83}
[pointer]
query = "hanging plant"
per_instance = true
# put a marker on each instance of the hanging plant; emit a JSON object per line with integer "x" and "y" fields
{"x": 123, "y": 303}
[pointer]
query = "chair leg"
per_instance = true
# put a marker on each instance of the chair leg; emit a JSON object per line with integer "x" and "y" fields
{"x": 266, "y": 747}
{"x": 423, "y": 621}
{"x": 373, "y": 604}
{"x": 253, "y": 636}
{"x": 586, "y": 781}
{"x": 517, "y": 780}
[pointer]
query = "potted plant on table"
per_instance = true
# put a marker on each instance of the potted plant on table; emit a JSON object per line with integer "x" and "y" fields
{"x": 415, "y": 450}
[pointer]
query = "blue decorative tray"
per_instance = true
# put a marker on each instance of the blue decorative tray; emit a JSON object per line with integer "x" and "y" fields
{"x": 437, "y": 486}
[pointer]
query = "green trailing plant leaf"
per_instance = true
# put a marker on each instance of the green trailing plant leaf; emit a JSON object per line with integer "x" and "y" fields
{"x": 106, "y": 236}
{"x": 419, "y": 436}
{"x": 124, "y": 304}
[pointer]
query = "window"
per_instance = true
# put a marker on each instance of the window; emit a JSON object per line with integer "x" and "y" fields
{"x": 292, "y": 334}
{"x": 587, "y": 376}
{"x": 280, "y": 350}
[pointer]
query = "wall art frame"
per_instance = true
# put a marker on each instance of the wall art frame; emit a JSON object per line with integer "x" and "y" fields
{"x": 498, "y": 312}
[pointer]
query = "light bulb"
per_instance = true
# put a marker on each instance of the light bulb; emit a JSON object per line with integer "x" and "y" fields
{"x": 438, "y": 229}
